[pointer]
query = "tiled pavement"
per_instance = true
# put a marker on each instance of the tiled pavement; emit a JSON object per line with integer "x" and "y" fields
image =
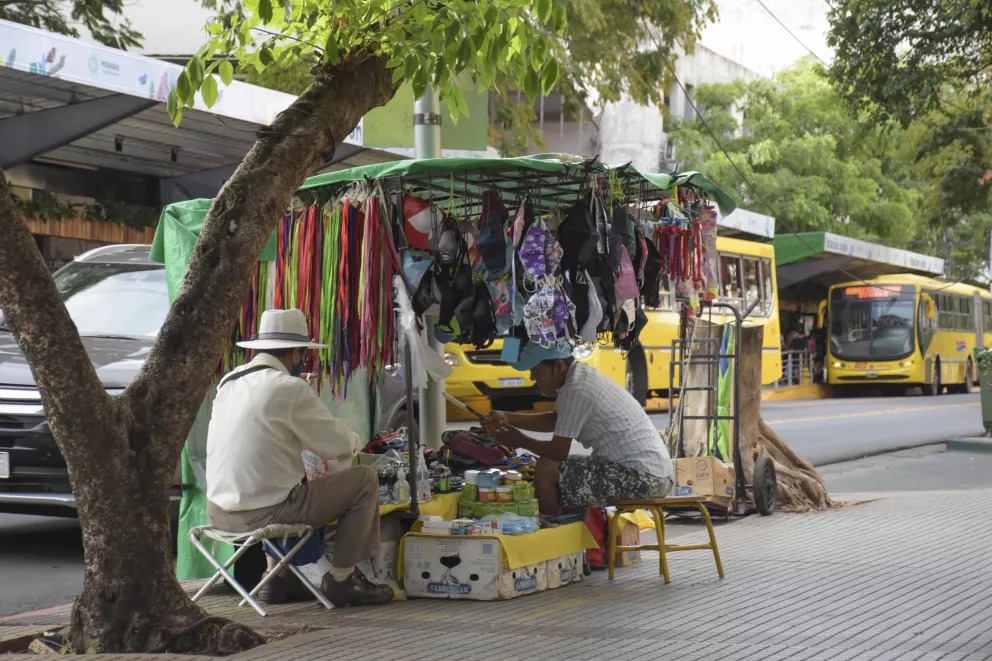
{"x": 902, "y": 577}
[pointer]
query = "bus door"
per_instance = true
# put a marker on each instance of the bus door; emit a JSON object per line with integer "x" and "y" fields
{"x": 977, "y": 310}
{"x": 926, "y": 322}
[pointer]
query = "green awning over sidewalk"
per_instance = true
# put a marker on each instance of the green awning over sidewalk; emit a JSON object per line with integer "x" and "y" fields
{"x": 828, "y": 258}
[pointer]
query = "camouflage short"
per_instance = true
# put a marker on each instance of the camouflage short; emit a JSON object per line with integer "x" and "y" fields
{"x": 591, "y": 482}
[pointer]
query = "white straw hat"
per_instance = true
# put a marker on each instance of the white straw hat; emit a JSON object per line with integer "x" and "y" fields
{"x": 282, "y": 329}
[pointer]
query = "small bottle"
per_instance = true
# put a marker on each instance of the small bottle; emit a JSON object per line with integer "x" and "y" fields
{"x": 402, "y": 487}
{"x": 423, "y": 479}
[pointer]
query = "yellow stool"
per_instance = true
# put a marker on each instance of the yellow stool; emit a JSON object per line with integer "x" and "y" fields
{"x": 657, "y": 507}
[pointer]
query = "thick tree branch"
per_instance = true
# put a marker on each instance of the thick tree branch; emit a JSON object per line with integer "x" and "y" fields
{"x": 236, "y": 228}
{"x": 34, "y": 311}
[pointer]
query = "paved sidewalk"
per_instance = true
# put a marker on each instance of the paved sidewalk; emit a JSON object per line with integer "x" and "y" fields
{"x": 904, "y": 576}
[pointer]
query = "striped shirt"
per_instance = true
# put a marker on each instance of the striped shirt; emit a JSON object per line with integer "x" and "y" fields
{"x": 599, "y": 414}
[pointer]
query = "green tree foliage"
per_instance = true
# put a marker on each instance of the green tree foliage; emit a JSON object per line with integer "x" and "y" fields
{"x": 950, "y": 152}
{"x": 816, "y": 166}
{"x": 898, "y": 58}
{"x": 101, "y": 17}
{"x": 605, "y": 48}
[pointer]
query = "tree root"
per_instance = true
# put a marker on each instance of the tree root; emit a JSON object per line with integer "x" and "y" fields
{"x": 211, "y": 635}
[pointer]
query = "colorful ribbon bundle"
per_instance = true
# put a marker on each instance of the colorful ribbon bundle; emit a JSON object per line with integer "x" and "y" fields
{"x": 336, "y": 264}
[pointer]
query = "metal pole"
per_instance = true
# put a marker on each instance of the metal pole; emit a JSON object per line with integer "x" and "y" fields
{"x": 413, "y": 444}
{"x": 427, "y": 144}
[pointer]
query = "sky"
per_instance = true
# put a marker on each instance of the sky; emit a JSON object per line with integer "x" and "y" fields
{"x": 745, "y": 31}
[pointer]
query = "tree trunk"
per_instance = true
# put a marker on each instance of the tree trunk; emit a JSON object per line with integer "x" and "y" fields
{"x": 122, "y": 453}
{"x": 800, "y": 487}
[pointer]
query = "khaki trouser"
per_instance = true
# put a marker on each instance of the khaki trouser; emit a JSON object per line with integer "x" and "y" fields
{"x": 350, "y": 497}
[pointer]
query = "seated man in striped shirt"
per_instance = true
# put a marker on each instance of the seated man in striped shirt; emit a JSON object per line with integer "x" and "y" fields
{"x": 628, "y": 459}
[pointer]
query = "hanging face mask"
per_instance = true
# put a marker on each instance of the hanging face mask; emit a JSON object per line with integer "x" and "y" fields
{"x": 540, "y": 253}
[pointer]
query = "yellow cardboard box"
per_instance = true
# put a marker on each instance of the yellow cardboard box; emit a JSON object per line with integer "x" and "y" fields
{"x": 704, "y": 476}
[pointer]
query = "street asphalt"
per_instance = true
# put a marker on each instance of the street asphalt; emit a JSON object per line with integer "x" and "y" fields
{"x": 41, "y": 558}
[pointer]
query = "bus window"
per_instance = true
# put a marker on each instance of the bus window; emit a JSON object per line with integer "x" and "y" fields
{"x": 871, "y": 323}
{"x": 730, "y": 279}
{"x": 752, "y": 282}
{"x": 768, "y": 291}
{"x": 665, "y": 293}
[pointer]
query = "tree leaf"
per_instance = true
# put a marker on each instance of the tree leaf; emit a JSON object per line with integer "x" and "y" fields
{"x": 183, "y": 89}
{"x": 549, "y": 77}
{"x": 559, "y": 20}
{"x": 531, "y": 84}
{"x": 195, "y": 69}
{"x": 226, "y": 71}
{"x": 265, "y": 11}
{"x": 265, "y": 56}
{"x": 544, "y": 12}
{"x": 208, "y": 91}
{"x": 331, "y": 50}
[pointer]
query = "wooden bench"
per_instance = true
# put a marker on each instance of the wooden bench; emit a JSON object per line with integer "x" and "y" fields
{"x": 657, "y": 507}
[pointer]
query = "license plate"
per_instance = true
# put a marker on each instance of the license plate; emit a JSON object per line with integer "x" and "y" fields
{"x": 872, "y": 375}
{"x": 4, "y": 465}
{"x": 511, "y": 383}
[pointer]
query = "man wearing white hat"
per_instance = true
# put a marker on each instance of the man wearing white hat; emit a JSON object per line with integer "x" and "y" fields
{"x": 263, "y": 416}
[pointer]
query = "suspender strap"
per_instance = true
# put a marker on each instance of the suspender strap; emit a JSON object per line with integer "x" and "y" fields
{"x": 237, "y": 375}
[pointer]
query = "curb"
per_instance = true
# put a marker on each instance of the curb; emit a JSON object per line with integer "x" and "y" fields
{"x": 790, "y": 393}
{"x": 880, "y": 452}
{"x": 971, "y": 444}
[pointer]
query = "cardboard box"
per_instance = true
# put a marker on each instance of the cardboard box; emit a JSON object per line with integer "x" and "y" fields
{"x": 704, "y": 476}
{"x": 465, "y": 568}
{"x": 564, "y": 570}
{"x": 630, "y": 535}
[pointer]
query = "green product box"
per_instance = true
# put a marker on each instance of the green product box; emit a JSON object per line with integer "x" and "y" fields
{"x": 479, "y": 510}
{"x": 527, "y": 509}
{"x": 470, "y": 493}
{"x": 522, "y": 492}
{"x": 465, "y": 509}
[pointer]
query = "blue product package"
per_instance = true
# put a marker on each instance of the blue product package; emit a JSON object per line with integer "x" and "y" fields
{"x": 511, "y": 350}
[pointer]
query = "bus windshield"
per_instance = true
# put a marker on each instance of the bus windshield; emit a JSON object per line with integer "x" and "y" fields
{"x": 872, "y": 322}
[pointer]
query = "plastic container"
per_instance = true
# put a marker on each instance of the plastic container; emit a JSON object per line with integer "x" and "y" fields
{"x": 512, "y": 477}
{"x": 504, "y": 494}
{"x": 402, "y": 488}
{"x": 470, "y": 492}
{"x": 487, "y": 495}
{"x": 472, "y": 477}
{"x": 488, "y": 480}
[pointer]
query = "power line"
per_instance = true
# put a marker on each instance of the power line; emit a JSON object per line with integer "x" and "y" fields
{"x": 786, "y": 28}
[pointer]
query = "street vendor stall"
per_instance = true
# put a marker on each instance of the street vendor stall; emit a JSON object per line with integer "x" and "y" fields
{"x": 549, "y": 249}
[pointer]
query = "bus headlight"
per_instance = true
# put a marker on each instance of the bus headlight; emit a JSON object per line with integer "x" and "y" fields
{"x": 451, "y": 360}
{"x": 582, "y": 351}
{"x": 906, "y": 363}
{"x": 836, "y": 363}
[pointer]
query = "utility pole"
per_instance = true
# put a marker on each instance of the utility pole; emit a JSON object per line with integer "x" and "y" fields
{"x": 427, "y": 144}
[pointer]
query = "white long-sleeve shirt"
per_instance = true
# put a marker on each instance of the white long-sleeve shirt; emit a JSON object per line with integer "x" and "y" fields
{"x": 258, "y": 428}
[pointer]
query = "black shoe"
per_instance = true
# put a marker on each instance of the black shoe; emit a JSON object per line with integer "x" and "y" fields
{"x": 285, "y": 589}
{"x": 356, "y": 590}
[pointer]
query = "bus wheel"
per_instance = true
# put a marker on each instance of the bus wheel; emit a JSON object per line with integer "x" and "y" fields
{"x": 637, "y": 377}
{"x": 969, "y": 373}
{"x": 933, "y": 388}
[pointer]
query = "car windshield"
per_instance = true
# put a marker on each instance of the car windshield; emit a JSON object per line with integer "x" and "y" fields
{"x": 872, "y": 323}
{"x": 113, "y": 300}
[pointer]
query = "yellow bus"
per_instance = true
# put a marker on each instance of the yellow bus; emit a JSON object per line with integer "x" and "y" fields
{"x": 747, "y": 274}
{"x": 906, "y": 331}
